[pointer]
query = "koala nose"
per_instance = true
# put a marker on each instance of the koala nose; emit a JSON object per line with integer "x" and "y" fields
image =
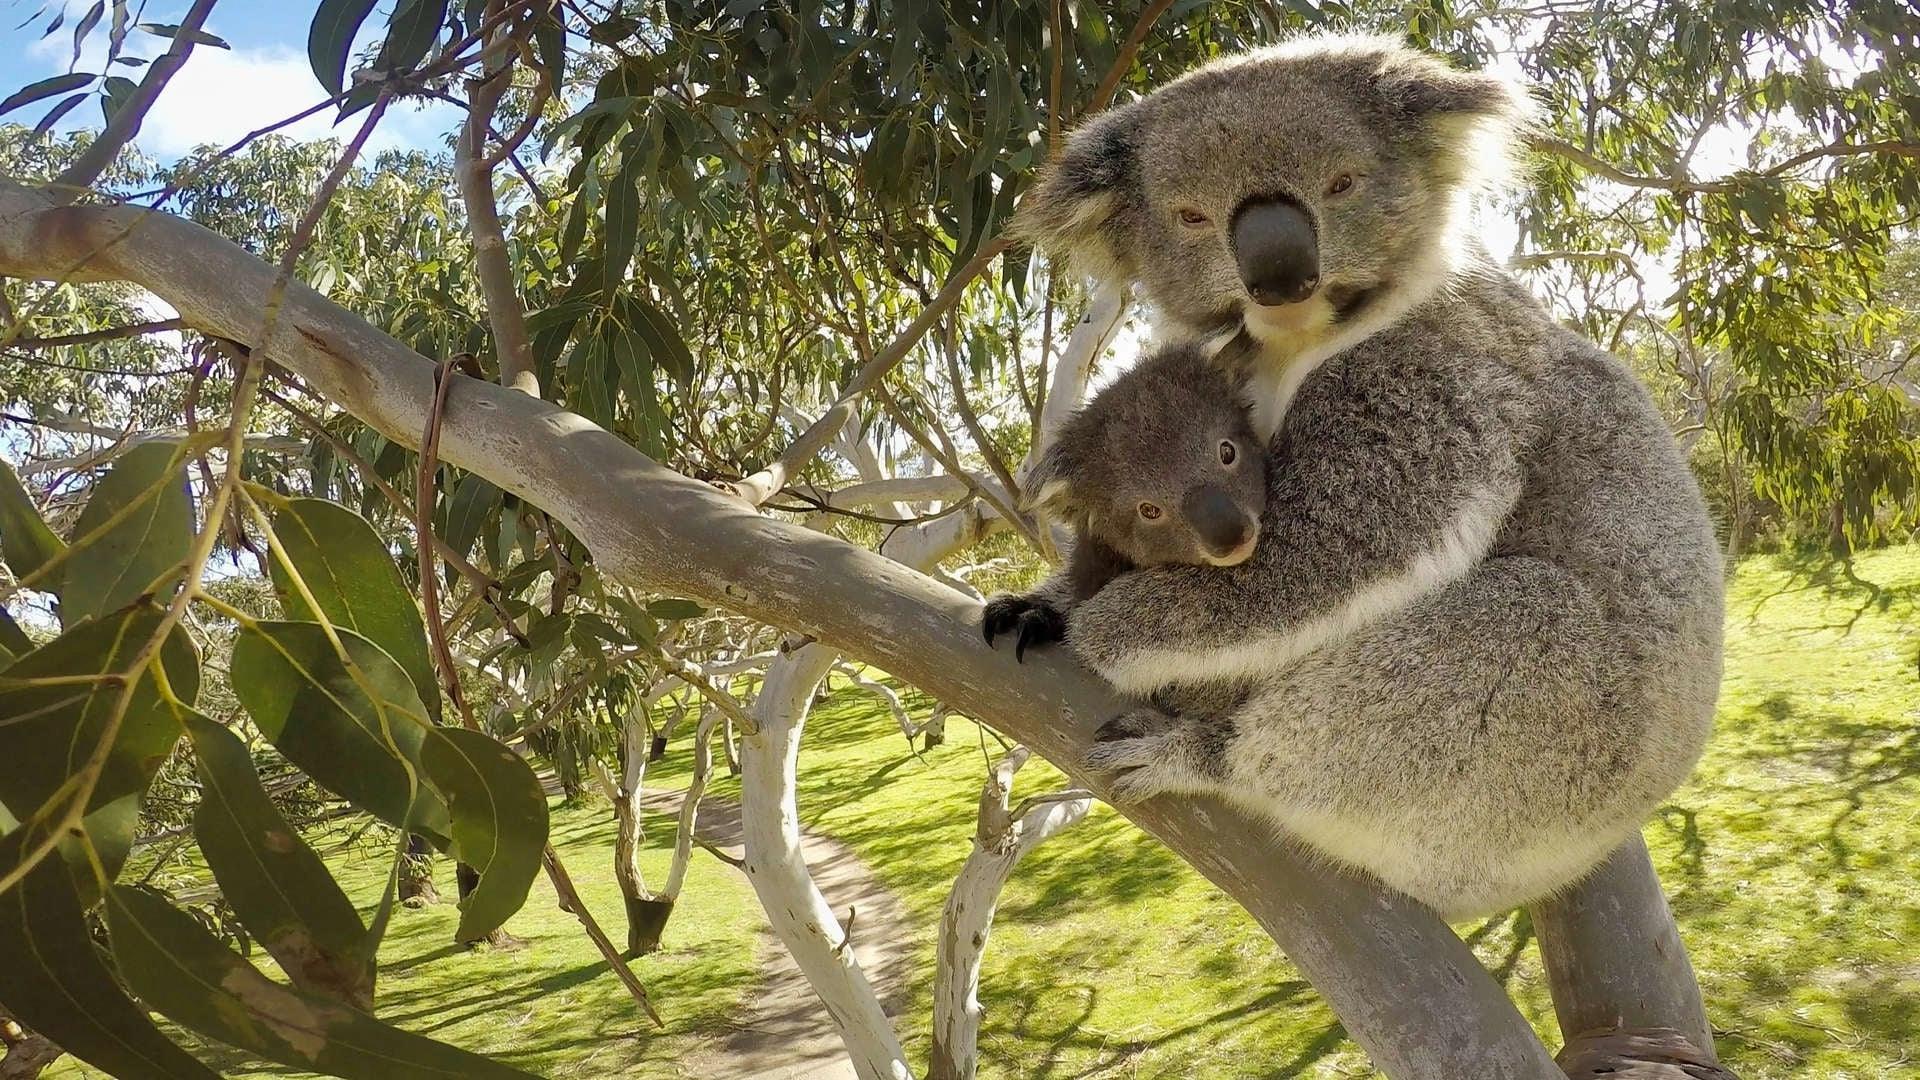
{"x": 1273, "y": 243}
{"x": 1223, "y": 528}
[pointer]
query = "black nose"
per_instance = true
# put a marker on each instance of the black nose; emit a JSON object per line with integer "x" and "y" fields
{"x": 1274, "y": 244}
{"x": 1216, "y": 518}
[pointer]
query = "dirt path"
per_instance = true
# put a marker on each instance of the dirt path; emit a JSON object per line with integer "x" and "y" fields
{"x": 784, "y": 1033}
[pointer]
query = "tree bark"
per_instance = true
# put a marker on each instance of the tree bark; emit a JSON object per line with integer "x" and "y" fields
{"x": 416, "y": 874}
{"x": 1405, "y": 987}
{"x": 1614, "y": 957}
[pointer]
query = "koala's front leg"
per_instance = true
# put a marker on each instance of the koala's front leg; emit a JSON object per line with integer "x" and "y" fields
{"x": 1035, "y": 619}
{"x": 1148, "y": 752}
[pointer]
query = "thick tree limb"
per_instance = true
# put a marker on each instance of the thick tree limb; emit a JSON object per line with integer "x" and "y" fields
{"x": 1401, "y": 981}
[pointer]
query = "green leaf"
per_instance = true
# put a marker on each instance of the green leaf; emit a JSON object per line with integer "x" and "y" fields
{"x": 172, "y": 30}
{"x": 25, "y": 541}
{"x": 45, "y": 88}
{"x": 473, "y": 499}
{"x": 550, "y": 44}
{"x": 307, "y": 703}
{"x": 414, "y": 28}
{"x": 54, "y": 981}
{"x": 54, "y": 114}
{"x": 14, "y": 641}
{"x": 179, "y": 968}
{"x": 116, "y": 91}
{"x": 352, "y": 576}
{"x": 278, "y": 887}
{"x": 663, "y": 340}
{"x": 675, "y": 609}
{"x": 52, "y": 729}
{"x": 499, "y": 822}
{"x": 111, "y": 571}
{"x": 335, "y": 23}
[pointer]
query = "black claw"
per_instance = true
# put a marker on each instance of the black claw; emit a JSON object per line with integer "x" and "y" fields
{"x": 1032, "y": 622}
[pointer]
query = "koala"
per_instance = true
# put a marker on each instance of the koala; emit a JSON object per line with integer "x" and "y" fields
{"x": 1480, "y": 629}
{"x": 1161, "y": 466}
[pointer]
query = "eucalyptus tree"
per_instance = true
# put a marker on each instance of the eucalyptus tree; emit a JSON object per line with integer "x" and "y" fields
{"x": 721, "y": 325}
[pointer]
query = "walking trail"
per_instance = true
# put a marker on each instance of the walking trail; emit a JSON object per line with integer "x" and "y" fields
{"x": 784, "y": 1032}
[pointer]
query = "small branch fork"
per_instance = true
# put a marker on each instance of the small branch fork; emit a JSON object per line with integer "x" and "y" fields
{"x": 1003, "y": 838}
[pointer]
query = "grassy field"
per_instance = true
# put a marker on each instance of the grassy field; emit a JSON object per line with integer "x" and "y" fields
{"x": 1791, "y": 860}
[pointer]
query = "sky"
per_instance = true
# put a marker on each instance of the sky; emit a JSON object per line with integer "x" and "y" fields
{"x": 219, "y": 95}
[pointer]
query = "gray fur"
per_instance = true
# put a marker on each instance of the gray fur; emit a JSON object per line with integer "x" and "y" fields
{"x": 1482, "y": 624}
{"x": 1154, "y": 437}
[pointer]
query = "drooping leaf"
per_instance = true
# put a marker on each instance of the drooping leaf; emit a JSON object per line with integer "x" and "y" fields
{"x": 172, "y": 30}
{"x": 279, "y": 889}
{"x": 499, "y": 821}
{"x": 675, "y": 608}
{"x": 53, "y": 980}
{"x": 330, "y": 37}
{"x": 52, "y": 729}
{"x": 179, "y": 968}
{"x": 25, "y": 541}
{"x": 14, "y": 641}
{"x": 353, "y": 578}
{"x": 116, "y": 91}
{"x": 410, "y": 33}
{"x": 109, "y": 572}
{"x": 54, "y": 114}
{"x": 85, "y": 26}
{"x": 363, "y": 747}
{"x": 45, "y": 88}
{"x": 473, "y": 499}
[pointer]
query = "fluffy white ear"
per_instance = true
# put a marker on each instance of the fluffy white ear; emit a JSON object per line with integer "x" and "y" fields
{"x": 1049, "y": 493}
{"x": 1069, "y": 209}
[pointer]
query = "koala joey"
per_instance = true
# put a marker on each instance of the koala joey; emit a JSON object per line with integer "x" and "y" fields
{"x": 1161, "y": 466}
{"x": 1480, "y": 632}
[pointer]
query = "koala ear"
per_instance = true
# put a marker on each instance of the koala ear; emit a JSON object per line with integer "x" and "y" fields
{"x": 1049, "y": 493}
{"x": 1069, "y": 212}
{"x": 1421, "y": 86}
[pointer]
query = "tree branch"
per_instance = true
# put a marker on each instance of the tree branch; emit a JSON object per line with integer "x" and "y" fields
{"x": 1683, "y": 184}
{"x": 79, "y": 176}
{"x": 759, "y": 487}
{"x": 114, "y": 333}
{"x": 1123, "y": 60}
{"x": 494, "y": 262}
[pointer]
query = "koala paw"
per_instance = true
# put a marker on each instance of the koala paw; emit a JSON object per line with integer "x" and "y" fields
{"x": 1144, "y": 752}
{"x": 1033, "y": 622}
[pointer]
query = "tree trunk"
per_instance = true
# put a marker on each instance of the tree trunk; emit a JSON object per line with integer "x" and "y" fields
{"x": 416, "y": 874}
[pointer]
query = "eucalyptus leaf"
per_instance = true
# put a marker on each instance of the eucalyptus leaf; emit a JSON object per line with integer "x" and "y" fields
{"x": 179, "y": 968}
{"x": 25, "y": 540}
{"x": 330, "y": 37}
{"x": 110, "y": 571}
{"x": 276, "y": 885}
{"x": 53, "y": 979}
{"x": 499, "y": 821}
{"x": 361, "y": 743}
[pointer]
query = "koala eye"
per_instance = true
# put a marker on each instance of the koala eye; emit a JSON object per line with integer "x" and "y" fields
{"x": 1341, "y": 184}
{"x": 1227, "y": 452}
{"x": 1149, "y": 511}
{"x": 1190, "y": 216}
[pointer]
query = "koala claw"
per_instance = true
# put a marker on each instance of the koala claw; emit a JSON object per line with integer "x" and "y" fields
{"x": 1033, "y": 622}
{"x": 1141, "y": 751}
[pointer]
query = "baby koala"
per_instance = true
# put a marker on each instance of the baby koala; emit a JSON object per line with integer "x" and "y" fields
{"x": 1162, "y": 466}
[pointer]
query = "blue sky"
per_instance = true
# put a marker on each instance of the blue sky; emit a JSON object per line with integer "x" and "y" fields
{"x": 221, "y": 94}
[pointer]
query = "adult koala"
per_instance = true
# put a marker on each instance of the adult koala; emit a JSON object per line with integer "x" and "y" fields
{"x": 1483, "y": 619}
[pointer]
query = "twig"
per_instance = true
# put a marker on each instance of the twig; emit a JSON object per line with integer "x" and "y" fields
{"x": 1681, "y": 185}
{"x": 1124, "y": 58}
{"x": 93, "y": 161}
{"x": 113, "y": 333}
{"x": 570, "y": 902}
{"x": 423, "y": 543}
{"x": 759, "y": 487}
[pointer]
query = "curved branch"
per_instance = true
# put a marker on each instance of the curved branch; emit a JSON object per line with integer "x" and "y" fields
{"x": 1407, "y": 989}
{"x": 93, "y": 161}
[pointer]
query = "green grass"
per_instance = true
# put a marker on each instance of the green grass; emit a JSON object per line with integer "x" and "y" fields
{"x": 1790, "y": 859}
{"x": 553, "y": 1008}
